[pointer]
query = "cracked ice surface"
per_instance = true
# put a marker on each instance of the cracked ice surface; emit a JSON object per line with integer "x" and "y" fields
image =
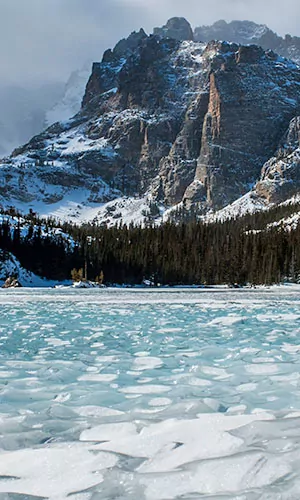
{"x": 150, "y": 394}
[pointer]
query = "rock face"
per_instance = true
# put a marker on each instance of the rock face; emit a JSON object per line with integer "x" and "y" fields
{"x": 180, "y": 121}
{"x": 245, "y": 119}
{"x": 242, "y": 32}
{"x": 247, "y": 32}
{"x": 177, "y": 27}
{"x": 280, "y": 177}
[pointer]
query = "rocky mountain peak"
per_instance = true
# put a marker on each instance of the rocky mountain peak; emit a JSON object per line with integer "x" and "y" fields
{"x": 138, "y": 76}
{"x": 170, "y": 121}
{"x": 176, "y": 27}
{"x": 241, "y": 126}
{"x": 125, "y": 47}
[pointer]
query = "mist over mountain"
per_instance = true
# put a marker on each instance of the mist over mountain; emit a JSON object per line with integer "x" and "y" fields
{"x": 23, "y": 113}
{"x": 69, "y": 102}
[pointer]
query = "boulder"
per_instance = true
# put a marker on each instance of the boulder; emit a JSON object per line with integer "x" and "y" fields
{"x": 12, "y": 282}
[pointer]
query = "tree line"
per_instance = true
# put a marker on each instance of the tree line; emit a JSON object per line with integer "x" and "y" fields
{"x": 189, "y": 252}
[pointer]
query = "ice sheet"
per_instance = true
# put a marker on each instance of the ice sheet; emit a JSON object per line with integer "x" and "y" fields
{"x": 150, "y": 394}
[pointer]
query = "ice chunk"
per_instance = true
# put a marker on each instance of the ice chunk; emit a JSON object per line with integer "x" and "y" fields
{"x": 53, "y": 472}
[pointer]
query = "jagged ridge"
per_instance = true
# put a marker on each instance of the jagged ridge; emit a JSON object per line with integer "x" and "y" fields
{"x": 181, "y": 121}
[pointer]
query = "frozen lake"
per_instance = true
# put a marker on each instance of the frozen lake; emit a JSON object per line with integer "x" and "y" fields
{"x": 150, "y": 394}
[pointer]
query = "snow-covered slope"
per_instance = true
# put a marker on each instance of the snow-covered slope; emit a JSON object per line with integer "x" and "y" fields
{"x": 247, "y": 204}
{"x": 124, "y": 210}
{"x": 10, "y": 266}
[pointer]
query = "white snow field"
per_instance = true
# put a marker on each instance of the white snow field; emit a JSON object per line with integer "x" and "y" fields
{"x": 150, "y": 394}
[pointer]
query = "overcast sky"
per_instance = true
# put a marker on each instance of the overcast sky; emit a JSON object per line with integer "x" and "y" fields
{"x": 44, "y": 40}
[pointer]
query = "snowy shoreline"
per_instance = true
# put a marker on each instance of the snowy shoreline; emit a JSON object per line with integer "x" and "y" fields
{"x": 52, "y": 285}
{"x": 27, "y": 279}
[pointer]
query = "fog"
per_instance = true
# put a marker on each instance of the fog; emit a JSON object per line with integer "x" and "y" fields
{"x": 42, "y": 41}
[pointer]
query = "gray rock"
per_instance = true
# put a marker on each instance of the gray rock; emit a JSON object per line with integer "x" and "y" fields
{"x": 280, "y": 177}
{"x": 177, "y": 27}
{"x": 247, "y": 32}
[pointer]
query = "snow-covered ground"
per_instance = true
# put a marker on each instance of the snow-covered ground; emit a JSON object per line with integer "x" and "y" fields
{"x": 247, "y": 204}
{"x": 11, "y": 267}
{"x": 74, "y": 208}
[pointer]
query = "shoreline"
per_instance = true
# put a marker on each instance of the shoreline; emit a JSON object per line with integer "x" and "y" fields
{"x": 163, "y": 288}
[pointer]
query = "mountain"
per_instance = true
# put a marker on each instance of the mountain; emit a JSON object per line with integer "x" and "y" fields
{"x": 165, "y": 126}
{"x": 247, "y": 32}
{"x": 242, "y": 32}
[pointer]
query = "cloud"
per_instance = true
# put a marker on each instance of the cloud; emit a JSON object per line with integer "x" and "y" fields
{"x": 44, "y": 40}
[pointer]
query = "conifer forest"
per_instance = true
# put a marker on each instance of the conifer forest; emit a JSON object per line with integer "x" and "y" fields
{"x": 250, "y": 250}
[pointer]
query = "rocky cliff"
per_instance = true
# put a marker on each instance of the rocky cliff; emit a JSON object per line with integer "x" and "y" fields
{"x": 162, "y": 120}
{"x": 280, "y": 177}
{"x": 247, "y": 113}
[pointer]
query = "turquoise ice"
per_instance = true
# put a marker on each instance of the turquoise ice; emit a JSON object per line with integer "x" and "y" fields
{"x": 150, "y": 394}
